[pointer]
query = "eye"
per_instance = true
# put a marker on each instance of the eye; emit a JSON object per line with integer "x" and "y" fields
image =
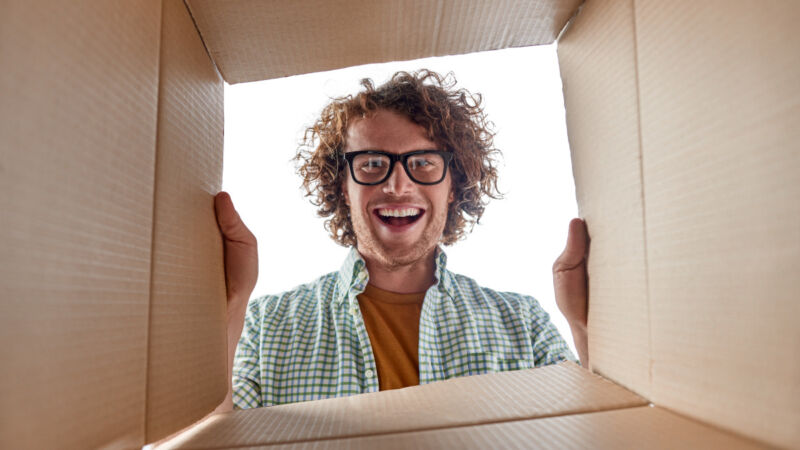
{"x": 423, "y": 162}
{"x": 370, "y": 164}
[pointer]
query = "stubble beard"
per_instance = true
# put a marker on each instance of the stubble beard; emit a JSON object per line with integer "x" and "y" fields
{"x": 396, "y": 258}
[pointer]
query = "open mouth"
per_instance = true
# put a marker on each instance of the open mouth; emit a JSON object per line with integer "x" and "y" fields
{"x": 398, "y": 217}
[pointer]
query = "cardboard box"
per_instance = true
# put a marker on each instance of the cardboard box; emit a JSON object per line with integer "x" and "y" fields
{"x": 682, "y": 120}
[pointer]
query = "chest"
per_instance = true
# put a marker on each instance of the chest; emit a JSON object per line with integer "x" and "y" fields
{"x": 328, "y": 352}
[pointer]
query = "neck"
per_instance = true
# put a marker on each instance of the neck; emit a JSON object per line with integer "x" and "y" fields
{"x": 404, "y": 279}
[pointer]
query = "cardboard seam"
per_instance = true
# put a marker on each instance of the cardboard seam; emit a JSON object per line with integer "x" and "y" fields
{"x": 153, "y": 227}
{"x": 443, "y": 427}
{"x": 715, "y": 427}
{"x": 203, "y": 39}
{"x": 568, "y": 23}
{"x": 643, "y": 197}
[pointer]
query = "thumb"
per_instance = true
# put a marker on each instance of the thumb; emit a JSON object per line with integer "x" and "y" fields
{"x": 231, "y": 225}
{"x": 575, "y": 251}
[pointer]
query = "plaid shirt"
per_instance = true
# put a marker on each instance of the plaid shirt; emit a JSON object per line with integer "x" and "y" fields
{"x": 310, "y": 343}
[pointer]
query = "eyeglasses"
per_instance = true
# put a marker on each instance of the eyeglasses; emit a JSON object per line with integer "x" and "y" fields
{"x": 371, "y": 167}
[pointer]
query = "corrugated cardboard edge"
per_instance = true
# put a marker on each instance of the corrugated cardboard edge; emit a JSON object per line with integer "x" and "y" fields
{"x": 202, "y": 39}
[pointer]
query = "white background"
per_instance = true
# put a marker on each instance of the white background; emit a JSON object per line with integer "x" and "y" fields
{"x": 518, "y": 238}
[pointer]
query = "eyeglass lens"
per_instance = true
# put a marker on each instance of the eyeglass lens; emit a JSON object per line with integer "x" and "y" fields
{"x": 423, "y": 168}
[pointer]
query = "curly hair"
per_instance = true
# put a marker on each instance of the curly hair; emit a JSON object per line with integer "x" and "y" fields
{"x": 453, "y": 118}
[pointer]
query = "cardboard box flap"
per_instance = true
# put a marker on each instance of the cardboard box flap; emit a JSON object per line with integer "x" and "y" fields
{"x": 78, "y": 105}
{"x": 597, "y": 58}
{"x": 705, "y": 324}
{"x": 253, "y": 40}
{"x": 641, "y": 427}
{"x": 187, "y": 376}
{"x": 548, "y": 391}
{"x": 720, "y": 108}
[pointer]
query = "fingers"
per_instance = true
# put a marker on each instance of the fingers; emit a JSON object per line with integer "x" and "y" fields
{"x": 577, "y": 238}
{"x": 577, "y": 245}
{"x": 231, "y": 225}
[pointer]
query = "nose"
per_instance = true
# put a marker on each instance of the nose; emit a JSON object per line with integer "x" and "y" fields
{"x": 398, "y": 183}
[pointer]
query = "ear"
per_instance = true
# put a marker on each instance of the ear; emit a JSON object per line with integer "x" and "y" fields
{"x": 344, "y": 193}
{"x": 451, "y": 196}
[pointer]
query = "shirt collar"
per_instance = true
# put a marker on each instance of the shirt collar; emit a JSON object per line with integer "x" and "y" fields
{"x": 353, "y": 276}
{"x": 444, "y": 279}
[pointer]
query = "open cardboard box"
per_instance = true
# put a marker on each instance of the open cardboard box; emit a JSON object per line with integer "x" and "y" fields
{"x": 683, "y": 126}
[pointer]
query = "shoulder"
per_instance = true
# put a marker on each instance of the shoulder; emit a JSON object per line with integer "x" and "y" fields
{"x": 296, "y": 303}
{"x": 469, "y": 289}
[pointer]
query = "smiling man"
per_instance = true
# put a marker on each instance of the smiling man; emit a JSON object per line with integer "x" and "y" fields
{"x": 398, "y": 170}
{"x": 398, "y": 216}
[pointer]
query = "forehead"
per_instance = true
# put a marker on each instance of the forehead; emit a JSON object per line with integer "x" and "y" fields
{"x": 388, "y": 131}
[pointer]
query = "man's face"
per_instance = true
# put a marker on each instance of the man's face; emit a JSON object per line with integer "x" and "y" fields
{"x": 389, "y": 240}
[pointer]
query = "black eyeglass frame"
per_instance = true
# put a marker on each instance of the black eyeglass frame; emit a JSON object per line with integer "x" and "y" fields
{"x": 403, "y": 159}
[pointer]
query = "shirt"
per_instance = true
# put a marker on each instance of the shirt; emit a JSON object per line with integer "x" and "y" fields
{"x": 392, "y": 322}
{"x": 311, "y": 343}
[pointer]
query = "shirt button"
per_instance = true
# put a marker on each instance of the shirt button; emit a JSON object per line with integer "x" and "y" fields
{"x": 354, "y": 310}
{"x": 369, "y": 373}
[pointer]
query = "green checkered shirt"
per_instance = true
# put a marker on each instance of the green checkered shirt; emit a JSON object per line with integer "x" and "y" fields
{"x": 310, "y": 343}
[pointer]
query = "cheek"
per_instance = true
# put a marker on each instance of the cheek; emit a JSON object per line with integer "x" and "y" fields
{"x": 354, "y": 194}
{"x": 441, "y": 200}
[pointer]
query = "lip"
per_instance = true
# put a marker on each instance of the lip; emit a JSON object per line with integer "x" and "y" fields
{"x": 396, "y": 206}
{"x": 397, "y": 228}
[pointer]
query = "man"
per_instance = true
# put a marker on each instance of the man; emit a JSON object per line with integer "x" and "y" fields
{"x": 398, "y": 169}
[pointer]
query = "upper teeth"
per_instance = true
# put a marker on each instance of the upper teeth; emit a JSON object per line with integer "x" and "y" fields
{"x": 399, "y": 212}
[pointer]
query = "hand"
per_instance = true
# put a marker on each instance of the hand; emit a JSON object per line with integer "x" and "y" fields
{"x": 241, "y": 273}
{"x": 569, "y": 274}
{"x": 241, "y": 251}
{"x": 570, "y": 282}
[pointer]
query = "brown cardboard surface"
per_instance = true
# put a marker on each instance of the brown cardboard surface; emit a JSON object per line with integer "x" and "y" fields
{"x": 597, "y": 56}
{"x": 634, "y": 428}
{"x": 720, "y": 108}
{"x": 187, "y": 349}
{"x": 78, "y": 98}
{"x": 253, "y": 40}
{"x": 683, "y": 126}
{"x": 549, "y": 391}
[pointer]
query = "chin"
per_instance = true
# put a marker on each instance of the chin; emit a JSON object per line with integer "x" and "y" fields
{"x": 398, "y": 254}
{"x": 397, "y": 251}
{"x": 406, "y": 256}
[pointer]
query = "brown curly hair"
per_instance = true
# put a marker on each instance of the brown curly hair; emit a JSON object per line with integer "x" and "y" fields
{"x": 454, "y": 120}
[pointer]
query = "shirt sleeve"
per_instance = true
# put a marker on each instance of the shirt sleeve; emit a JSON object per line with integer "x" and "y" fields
{"x": 549, "y": 347}
{"x": 246, "y": 362}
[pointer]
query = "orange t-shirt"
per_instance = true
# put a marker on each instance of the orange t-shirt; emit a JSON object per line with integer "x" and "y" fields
{"x": 392, "y": 322}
